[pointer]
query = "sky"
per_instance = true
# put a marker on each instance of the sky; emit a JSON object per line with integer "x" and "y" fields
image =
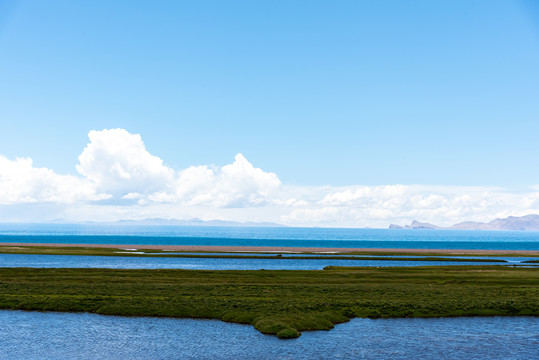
{"x": 304, "y": 113}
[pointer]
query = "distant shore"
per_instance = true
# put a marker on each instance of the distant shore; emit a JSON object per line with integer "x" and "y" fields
{"x": 283, "y": 249}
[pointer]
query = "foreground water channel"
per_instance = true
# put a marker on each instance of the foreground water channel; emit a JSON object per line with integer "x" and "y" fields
{"x": 28, "y": 335}
{"x": 153, "y": 262}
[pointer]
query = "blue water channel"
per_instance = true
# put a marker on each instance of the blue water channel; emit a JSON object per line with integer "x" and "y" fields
{"x": 152, "y": 262}
{"x": 35, "y": 335}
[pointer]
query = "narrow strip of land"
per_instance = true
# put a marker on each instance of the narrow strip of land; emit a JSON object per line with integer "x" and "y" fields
{"x": 283, "y": 250}
{"x": 155, "y": 253}
{"x": 282, "y": 302}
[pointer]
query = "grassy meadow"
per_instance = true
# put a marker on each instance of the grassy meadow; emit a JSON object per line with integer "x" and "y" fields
{"x": 280, "y": 302}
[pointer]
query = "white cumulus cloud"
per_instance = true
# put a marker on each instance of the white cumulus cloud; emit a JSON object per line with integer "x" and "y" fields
{"x": 118, "y": 163}
{"x": 376, "y": 206}
{"x": 238, "y": 184}
{"x": 21, "y": 182}
{"x": 116, "y": 166}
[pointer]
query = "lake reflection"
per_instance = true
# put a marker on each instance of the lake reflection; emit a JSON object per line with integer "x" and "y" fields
{"x": 28, "y": 335}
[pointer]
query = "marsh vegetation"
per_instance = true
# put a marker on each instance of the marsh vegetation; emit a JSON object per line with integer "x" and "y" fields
{"x": 281, "y": 303}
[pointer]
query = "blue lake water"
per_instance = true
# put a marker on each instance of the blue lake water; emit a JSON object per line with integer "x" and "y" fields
{"x": 34, "y": 335}
{"x": 283, "y": 237}
{"x": 150, "y": 262}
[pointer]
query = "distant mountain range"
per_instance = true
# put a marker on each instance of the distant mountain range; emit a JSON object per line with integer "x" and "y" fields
{"x": 526, "y": 223}
{"x": 176, "y": 222}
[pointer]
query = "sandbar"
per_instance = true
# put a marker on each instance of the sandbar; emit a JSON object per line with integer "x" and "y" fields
{"x": 283, "y": 249}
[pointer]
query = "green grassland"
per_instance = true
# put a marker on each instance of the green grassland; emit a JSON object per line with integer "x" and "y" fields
{"x": 281, "y": 302}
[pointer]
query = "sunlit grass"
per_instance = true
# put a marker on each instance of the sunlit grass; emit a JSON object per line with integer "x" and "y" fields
{"x": 280, "y": 302}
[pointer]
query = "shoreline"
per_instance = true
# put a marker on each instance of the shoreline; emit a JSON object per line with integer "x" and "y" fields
{"x": 281, "y": 249}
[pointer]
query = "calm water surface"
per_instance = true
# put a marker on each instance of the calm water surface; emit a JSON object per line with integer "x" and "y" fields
{"x": 286, "y": 237}
{"x": 150, "y": 262}
{"x": 34, "y": 335}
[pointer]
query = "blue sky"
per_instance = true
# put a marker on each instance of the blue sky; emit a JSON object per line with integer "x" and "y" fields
{"x": 328, "y": 95}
